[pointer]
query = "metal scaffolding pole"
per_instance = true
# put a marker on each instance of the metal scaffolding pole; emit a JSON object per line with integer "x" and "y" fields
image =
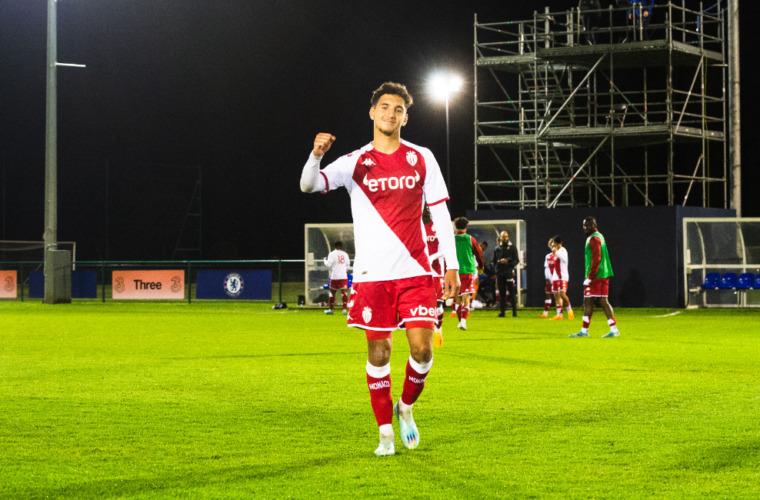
{"x": 734, "y": 97}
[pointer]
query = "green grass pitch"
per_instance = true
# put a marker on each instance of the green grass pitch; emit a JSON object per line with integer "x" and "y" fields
{"x": 236, "y": 400}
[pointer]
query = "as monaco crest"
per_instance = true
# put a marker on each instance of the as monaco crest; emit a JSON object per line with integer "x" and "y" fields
{"x": 367, "y": 314}
{"x": 411, "y": 158}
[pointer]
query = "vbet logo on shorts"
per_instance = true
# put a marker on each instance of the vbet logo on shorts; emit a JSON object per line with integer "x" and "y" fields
{"x": 233, "y": 285}
{"x": 424, "y": 311}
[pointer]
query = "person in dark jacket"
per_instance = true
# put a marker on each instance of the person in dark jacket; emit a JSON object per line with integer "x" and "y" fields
{"x": 505, "y": 259}
{"x": 590, "y": 20}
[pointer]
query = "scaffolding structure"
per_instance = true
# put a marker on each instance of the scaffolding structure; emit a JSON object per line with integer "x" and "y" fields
{"x": 596, "y": 108}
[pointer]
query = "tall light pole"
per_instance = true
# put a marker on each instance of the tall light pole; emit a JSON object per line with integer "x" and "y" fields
{"x": 734, "y": 99}
{"x": 53, "y": 292}
{"x": 442, "y": 85}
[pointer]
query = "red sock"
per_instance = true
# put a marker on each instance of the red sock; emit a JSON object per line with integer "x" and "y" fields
{"x": 380, "y": 393}
{"x": 547, "y": 306}
{"x": 586, "y": 321}
{"x": 458, "y": 310}
{"x": 345, "y": 301}
{"x": 465, "y": 312}
{"x": 331, "y": 302}
{"x": 439, "y": 321}
{"x": 414, "y": 381}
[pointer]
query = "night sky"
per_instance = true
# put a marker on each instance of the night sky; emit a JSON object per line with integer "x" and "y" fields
{"x": 240, "y": 88}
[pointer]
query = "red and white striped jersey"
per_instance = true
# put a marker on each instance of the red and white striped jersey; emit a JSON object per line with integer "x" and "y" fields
{"x": 388, "y": 192}
{"x": 549, "y": 266}
{"x": 431, "y": 237}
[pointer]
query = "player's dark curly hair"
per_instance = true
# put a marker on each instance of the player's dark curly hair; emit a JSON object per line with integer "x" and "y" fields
{"x": 461, "y": 223}
{"x": 392, "y": 88}
{"x": 338, "y": 245}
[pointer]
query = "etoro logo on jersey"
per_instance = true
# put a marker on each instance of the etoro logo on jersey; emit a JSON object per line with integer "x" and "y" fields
{"x": 391, "y": 183}
{"x": 233, "y": 285}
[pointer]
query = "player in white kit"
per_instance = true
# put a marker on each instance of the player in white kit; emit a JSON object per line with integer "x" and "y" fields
{"x": 339, "y": 263}
{"x": 548, "y": 274}
{"x": 560, "y": 278}
{"x": 389, "y": 181}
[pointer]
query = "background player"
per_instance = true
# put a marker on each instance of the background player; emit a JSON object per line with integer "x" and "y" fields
{"x": 470, "y": 258}
{"x": 548, "y": 273}
{"x": 505, "y": 259}
{"x": 339, "y": 264}
{"x": 437, "y": 265}
{"x": 389, "y": 181}
{"x": 560, "y": 278}
{"x": 596, "y": 286}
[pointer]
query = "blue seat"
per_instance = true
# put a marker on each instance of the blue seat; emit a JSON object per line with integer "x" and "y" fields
{"x": 712, "y": 280}
{"x": 756, "y": 284}
{"x": 728, "y": 281}
{"x": 746, "y": 280}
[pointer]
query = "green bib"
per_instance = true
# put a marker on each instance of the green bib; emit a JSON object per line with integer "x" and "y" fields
{"x": 464, "y": 254}
{"x": 605, "y": 267}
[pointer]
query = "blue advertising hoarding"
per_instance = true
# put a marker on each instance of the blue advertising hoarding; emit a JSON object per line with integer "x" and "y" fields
{"x": 84, "y": 285}
{"x": 243, "y": 285}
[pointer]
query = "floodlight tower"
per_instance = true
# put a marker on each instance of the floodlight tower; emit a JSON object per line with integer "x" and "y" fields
{"x": 55, "y": 291}
{"x": 734, "y": 99}
{"x": 442, "y": 85}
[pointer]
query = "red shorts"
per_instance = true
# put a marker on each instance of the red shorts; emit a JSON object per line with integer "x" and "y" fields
{"x": 559, "y": 286}
{"x": 599, "y": 287}
{"x": 468, "y": 283}
{"x": 380, "y": 307}
{"x": 548, "y": 287}
{"x": 338, "y": 284}
{"x": 439, "y": 287}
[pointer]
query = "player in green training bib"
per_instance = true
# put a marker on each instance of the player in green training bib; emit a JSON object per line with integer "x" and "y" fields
{"x": 470, "y": 257}
{"x": 596, "y": 285}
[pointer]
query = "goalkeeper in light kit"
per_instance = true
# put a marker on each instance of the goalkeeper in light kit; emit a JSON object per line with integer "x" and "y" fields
{"x": 436, "y": 263}
{"x": 338, "y": 263}
{"x": 389, "y": 181}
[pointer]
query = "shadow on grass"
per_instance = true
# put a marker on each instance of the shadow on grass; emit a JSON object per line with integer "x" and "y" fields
{"x": 737, "y": 455}
{"x": 251, "y": 480}
{"x": 281, "y": 355}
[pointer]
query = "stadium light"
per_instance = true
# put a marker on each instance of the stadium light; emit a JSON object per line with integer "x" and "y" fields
{"x": 57, "y": 286}
{"x": 442, "y": 85}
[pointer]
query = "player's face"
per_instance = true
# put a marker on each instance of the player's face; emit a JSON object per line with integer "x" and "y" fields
{"x": 389, "y": 114}
{"x": 589, "y": 227}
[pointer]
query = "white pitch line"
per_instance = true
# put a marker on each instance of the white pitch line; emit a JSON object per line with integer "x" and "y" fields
{"x": 666, "y": 315}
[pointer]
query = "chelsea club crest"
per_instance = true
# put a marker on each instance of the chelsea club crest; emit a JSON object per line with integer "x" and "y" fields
{"x": 233, "y": 285}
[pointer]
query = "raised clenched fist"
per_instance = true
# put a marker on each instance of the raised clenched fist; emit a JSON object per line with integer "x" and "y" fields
{"x": 322, "y": 143}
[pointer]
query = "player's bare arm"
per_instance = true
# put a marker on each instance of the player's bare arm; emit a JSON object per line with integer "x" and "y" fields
{"x": 322, "y": 143}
